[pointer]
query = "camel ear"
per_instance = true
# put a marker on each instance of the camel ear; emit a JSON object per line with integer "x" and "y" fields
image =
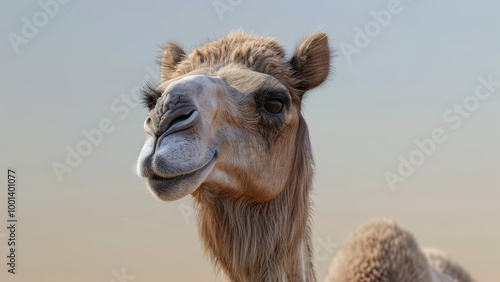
{"x": 311, "y": 61}
{"x": 171, "y": 56}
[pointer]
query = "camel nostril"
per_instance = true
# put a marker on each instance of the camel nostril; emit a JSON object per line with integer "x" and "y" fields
{"x": 182, "y": 121}
{"x": 176, "y": 111}
{"x": 178, "y": 119}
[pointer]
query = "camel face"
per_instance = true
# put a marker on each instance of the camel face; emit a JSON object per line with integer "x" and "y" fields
{"x": 225, "y": 129}
{"x": 225, "y": 118}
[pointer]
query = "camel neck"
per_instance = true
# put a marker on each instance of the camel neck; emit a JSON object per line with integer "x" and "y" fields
{"x": 265, "y": 242}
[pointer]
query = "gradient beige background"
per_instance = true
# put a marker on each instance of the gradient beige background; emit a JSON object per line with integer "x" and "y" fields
{"x": 101, "y": 218}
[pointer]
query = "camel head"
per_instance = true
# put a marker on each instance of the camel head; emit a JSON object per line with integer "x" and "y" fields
{"x": 226, "y": 119}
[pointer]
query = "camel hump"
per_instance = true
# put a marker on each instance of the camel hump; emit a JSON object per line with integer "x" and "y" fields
{"x": 380, "y": 250}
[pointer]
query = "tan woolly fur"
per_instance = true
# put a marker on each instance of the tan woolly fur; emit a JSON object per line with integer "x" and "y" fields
{"x": 246, "y": 160}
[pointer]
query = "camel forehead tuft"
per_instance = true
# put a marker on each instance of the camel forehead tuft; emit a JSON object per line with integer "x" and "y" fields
{"x": 257, "y": 53}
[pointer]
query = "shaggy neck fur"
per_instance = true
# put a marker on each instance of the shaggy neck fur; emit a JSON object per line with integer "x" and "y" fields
{"x": 264, "y": 241}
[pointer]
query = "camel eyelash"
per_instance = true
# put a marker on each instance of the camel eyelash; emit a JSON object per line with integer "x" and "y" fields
{"x": 263, "y": 95}
{"x": 150, "y": 95}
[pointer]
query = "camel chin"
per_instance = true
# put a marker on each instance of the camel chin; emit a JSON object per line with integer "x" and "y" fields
{"x": 175, "y": 164}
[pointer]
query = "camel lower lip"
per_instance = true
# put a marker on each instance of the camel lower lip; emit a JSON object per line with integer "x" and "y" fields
{"x": 159, "y": 184}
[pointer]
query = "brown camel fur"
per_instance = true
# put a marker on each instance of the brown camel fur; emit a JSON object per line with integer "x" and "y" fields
{"x": 225, "y": 126}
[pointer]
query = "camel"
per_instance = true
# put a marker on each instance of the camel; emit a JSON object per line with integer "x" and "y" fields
{"x": 225, "y": 127}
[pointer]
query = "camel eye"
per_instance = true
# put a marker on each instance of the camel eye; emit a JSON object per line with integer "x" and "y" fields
{"x": 273, "y": 106}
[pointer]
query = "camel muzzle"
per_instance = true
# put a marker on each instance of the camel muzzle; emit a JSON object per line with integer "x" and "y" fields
{"x": 178, "y": 153}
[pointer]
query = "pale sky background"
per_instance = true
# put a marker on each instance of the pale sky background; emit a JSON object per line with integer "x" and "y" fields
{"x": 102, "y": 219}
